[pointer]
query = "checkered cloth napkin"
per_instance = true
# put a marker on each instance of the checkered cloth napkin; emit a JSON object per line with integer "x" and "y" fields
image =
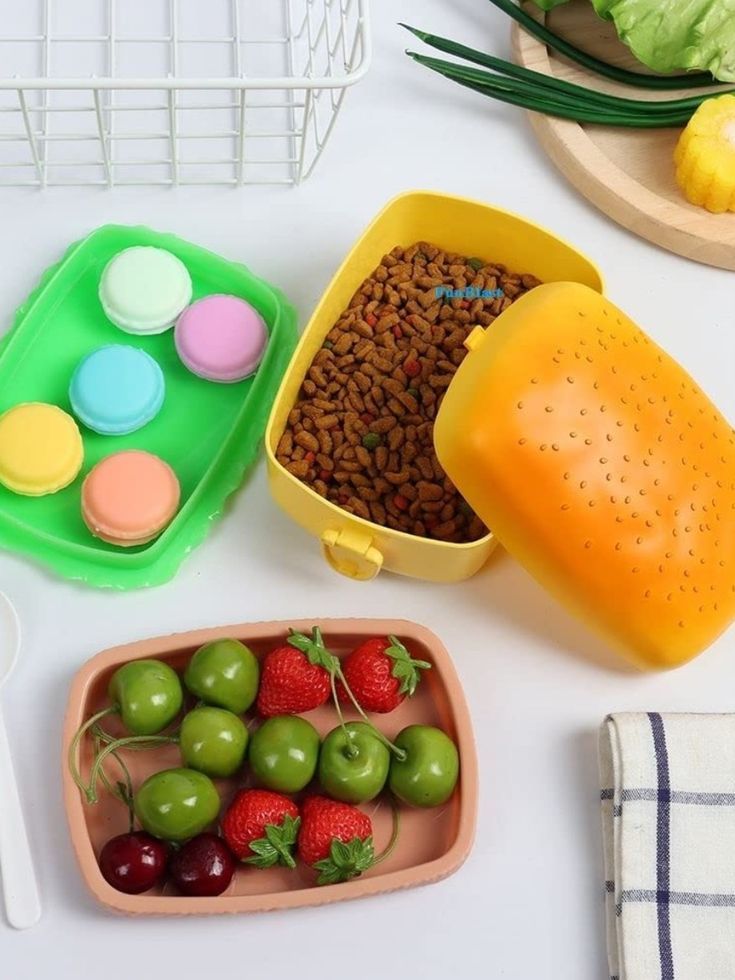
{"x": 668, "y": 818}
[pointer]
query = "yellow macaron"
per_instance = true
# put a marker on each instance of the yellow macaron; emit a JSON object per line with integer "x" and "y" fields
{"x": 41, "y": 449}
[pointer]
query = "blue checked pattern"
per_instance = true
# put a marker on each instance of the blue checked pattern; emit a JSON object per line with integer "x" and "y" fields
{"x": 668, "y": 817}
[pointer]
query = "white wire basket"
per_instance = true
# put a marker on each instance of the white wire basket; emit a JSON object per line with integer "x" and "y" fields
{"x": 119, "y": 92}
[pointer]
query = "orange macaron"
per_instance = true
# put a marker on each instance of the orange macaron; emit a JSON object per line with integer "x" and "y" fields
{"x": 129, "y": 498}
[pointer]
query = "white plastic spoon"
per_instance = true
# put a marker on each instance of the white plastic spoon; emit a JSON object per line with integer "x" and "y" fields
{"x": 22, "y": 902}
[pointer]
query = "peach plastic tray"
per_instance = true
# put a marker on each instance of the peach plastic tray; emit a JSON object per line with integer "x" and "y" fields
{"x": 433, "y": 843}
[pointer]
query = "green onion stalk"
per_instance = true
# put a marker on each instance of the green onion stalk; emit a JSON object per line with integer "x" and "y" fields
{"x": 535, "y": 91}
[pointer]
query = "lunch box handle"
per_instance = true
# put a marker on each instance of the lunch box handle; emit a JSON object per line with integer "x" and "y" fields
{"x": 351, "y": 553}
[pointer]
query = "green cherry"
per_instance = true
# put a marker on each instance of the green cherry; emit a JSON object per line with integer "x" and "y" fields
{"x": 353, "y": 763}
{"x": 283, "y": 753}
{"x": 148, "y": 694}
{"x": 428, "y": 774}
{"x": 224, "y": 673}
{"x": 177, "y": 804}
{"x": 213, "y": 741}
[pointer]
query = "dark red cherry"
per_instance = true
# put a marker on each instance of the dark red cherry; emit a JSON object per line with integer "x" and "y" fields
{"x": 203, "y": 866}
{"x": 133, "y": 863}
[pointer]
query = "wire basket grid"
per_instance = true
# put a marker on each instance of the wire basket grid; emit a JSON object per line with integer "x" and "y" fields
{"x": 121, "y": 92}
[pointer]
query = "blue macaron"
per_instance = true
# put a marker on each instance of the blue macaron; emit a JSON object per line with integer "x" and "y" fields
{"x": 117, "y": 389}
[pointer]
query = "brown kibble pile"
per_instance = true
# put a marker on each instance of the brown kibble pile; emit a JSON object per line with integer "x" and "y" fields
{"x": 361, "y": 432}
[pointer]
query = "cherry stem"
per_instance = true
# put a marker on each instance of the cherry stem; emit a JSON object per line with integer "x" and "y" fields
{"x": 97, "y": 744}
{"x": 390, "y": 846}
{"x": 120, "y": 792}
{"x": 399, "y": 753}
{"x": 74, "y": 768}
{"x": 151, "y": 741}
{"x": 351, "y": 749}
{"x": 335, "y": 670}
{"x": 327, "y": 660}
{"x": 109, "y": 739}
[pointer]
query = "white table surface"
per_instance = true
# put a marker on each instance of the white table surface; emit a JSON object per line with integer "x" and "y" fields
{"x": 528, "y": 901}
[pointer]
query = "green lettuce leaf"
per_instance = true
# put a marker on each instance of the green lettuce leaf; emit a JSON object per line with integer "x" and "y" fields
{"x": 674, "y": 35}
{"x": 671, "y": 35}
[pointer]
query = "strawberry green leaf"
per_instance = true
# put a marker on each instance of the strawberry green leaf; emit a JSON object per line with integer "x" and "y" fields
{"x": 277, "y": 845}
{"x": 345, "y": 861}
{"x": 315, "y": 650}
{"x": 405, "y": 668}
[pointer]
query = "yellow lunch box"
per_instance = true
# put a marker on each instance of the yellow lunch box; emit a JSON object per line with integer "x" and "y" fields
{"x": 353, "y": 546}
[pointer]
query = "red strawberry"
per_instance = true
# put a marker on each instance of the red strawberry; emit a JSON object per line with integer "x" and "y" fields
{"x": 261, "y": 827}
{"x": 336, "y": 839}
{"x": 295, "y": 677}
{"x": 381, "y": 673}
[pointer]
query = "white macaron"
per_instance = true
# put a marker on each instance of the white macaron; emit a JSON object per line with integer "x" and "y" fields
{"x": 144, "y": 289}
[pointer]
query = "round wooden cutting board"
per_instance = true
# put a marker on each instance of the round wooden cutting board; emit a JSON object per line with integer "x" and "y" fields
{"x": 627, "y": 173}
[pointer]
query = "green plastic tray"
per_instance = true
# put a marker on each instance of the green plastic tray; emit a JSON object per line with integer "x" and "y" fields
{"x": 209, "y": 433}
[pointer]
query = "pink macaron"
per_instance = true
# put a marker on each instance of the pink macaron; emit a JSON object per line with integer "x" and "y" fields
{"x": 221, "y": 338}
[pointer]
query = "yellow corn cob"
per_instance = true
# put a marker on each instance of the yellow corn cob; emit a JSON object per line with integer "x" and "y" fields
{"x": 705, "y": 156}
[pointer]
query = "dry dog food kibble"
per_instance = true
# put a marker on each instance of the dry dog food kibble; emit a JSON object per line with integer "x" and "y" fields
{"x": 361, "y": 431}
